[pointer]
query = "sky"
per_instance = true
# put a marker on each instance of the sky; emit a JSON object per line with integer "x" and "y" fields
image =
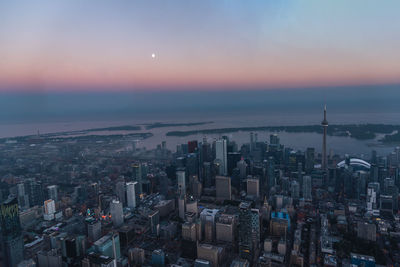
{"x": 120, "y": 45}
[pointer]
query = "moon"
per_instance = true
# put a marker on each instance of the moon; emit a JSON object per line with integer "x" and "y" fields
{"x": 153, "y": 55}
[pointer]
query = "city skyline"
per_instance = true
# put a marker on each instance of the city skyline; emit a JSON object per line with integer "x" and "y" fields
{"x": 194, "y": 46}
{"x": 196, "y": 133}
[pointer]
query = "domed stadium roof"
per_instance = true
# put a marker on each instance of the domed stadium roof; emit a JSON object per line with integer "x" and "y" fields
{"x": 355, "y": 163}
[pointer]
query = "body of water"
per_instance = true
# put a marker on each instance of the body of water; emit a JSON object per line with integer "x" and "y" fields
{"x": 27, "y": 114}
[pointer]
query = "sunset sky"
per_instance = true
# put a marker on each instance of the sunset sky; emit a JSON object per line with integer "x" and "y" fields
{"x": 197, "y": 45}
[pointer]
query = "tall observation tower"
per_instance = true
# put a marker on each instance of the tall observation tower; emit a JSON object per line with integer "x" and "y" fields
{"x": 324, "y": 124}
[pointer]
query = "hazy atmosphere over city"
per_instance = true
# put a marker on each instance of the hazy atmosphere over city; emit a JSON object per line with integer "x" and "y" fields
{"x": 199, "y": 133}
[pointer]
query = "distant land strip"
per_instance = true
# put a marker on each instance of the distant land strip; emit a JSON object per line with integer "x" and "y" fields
{"x": 80, "y": 134}
{"x": 357, "y": 131}
{"x": 105, "y": 129}
{"x": 115, "y": 128}
{"x": 161, "y": 125}
{"x": 109, "y": 136}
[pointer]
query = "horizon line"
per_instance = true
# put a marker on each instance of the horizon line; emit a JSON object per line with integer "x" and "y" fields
{"x": 185, "y": 89}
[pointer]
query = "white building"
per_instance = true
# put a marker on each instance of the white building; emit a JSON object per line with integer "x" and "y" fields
{"x": 49, "y": 210}
{"x": 131, "y": 194}
{"x": 373, "y": 191}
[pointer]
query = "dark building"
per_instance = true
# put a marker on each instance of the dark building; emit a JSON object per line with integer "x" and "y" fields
{"x": 260, "y": 172}
{"x": 245, "y": 235}
{"x": 35, "y": 192}
{"x": 236, "y": 183}
{"x": 184, "y": 148}
{"x": 12, "y": 244}
{"x": 271, "y": 173}
{"x": 70, "y": 248}
{"x": 126, "y": 235}
{"x": 163, "y": 183}
{"x": 192, "y": 146}
{"x": 233, "y": 159}
{"x": 98, "y": 260}
{"x": 189, "y": 249}
{"x": 207, "y": 174}
{"x": 80, "y": 194}
{"x": 310, "y": 159}
{"x": 206, "y": 152}
{"x": 192, "y": 164}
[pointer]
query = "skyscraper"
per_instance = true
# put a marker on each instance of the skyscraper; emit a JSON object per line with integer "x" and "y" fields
{"x": 253, "y": 187}
{"x": 117, "y": 213}
{"x": 35, "y": 192}
{"x": 233, "y": 158}
{"x": 52, "y": 192}
{"x": 223, "y": 187}
{"x": 208, "y": 218}
{"x": 181, "y": 179}
{"x": 242, "y": 166}
{"x": 310, "y": 155}
{"x": 192, "y": 146}
{"x": 251, "y": 141}
{"x": 271, "y": 172}
{"x": 181, "y": 206}
{"x": 274, "y": 142}
{"x": 307, "y": 188}
{"x": 93, "y": 229}
{"x": 131, "y": 194}
{"x": 207, "y": 179}
{"x": 12, "y": 244}
{"x": 49, "y": 209}
{"x": 120, "y": 191}
{"x": 255, "y": 228}
{"x": 245, "y": 237}
{"x": 192, "y": 164}
{"x": 137, "y": 175}
{"x": 295, "y": 190}
{"x": 373, "y": 192}
{"x": 23, "y": 198}
{"x": 249, "y": 230}
{"x": 324, "y": 124}
{"x": 221, "y": 156}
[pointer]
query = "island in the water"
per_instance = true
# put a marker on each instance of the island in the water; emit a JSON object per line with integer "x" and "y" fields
{"x": 162, "y": 125}
{"x": 116, "y": 128}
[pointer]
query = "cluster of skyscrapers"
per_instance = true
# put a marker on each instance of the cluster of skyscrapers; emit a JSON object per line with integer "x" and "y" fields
{"x": 209, "y": 203}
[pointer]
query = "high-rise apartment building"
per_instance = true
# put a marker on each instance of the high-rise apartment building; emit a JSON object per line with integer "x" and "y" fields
{"x": 49, "y": 209}
{"x": 52, "y": 192}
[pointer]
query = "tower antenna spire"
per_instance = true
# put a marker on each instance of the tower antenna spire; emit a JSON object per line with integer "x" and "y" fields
{"x": 324, "y": 124}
